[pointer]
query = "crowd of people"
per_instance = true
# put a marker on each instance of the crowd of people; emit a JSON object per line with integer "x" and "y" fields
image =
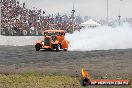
{"x": 16, "y": 19}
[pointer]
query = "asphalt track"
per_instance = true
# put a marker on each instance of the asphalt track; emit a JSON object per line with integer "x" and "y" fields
{"x": 19, "y": 59}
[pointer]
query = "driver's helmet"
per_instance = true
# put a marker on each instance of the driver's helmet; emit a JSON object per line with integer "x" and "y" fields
{"x": 62, "y": 33}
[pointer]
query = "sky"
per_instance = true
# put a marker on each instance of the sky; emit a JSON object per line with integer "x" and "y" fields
{"x": 93, "y": 8}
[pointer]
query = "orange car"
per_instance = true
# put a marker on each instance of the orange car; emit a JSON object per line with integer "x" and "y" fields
{"x": 53, "y": 39}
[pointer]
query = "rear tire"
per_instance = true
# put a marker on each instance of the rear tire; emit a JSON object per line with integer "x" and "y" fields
{"x": 65, "y": 49}
{"x": 37, "y": 47}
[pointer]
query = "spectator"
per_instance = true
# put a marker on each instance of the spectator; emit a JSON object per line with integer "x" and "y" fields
{"x": 18, "y": 20}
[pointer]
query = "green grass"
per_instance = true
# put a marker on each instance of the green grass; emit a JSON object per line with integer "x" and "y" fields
{"x": 36, "y": 80}
{"x": 30, "y": 80}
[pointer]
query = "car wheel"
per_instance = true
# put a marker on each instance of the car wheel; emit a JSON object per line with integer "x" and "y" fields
{"x": 65, "y": 49}
{"x": 57, "y": 47}
{"x": 37, "y": 47}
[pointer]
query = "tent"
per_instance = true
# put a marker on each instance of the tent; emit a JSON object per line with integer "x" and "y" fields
{"x": 90, "y": 23}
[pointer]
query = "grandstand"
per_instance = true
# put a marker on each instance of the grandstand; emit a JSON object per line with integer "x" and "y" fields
{"x": 16, "y": 19}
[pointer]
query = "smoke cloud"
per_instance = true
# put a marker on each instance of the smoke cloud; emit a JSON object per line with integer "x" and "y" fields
{"x": 101, "y": 38}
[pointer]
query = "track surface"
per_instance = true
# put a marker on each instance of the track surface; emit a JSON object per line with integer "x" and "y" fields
{"x": 22, "y": 59}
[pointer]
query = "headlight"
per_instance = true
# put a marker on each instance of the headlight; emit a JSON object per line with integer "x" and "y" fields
{"x": 43, "y": 43}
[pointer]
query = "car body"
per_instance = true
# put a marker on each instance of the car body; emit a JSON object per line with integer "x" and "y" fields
{"x": 53, "y": 39}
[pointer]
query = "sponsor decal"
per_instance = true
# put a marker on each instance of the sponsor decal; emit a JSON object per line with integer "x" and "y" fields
{"x": 87, "y": 81}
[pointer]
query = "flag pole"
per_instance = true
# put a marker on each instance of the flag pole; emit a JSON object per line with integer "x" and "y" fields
{"x": 107, "y": 12}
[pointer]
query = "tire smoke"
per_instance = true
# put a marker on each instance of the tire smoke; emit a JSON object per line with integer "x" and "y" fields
{"x": 101, "y": 38}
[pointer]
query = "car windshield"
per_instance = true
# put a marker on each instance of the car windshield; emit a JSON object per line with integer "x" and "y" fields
{"x": 51, "y": 33}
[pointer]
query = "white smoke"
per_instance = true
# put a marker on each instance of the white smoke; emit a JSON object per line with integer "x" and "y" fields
{"x": 101, "y": 38}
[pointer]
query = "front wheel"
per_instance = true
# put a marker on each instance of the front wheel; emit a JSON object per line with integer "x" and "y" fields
{"x": 37, "y": 47}
{"x": 57, "y": 47}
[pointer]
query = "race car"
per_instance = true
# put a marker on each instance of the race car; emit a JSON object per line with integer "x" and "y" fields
{"x": 53, "y": 40}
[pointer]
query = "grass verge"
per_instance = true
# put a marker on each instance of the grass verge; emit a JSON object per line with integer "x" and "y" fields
{"x": 36, "y": 80}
